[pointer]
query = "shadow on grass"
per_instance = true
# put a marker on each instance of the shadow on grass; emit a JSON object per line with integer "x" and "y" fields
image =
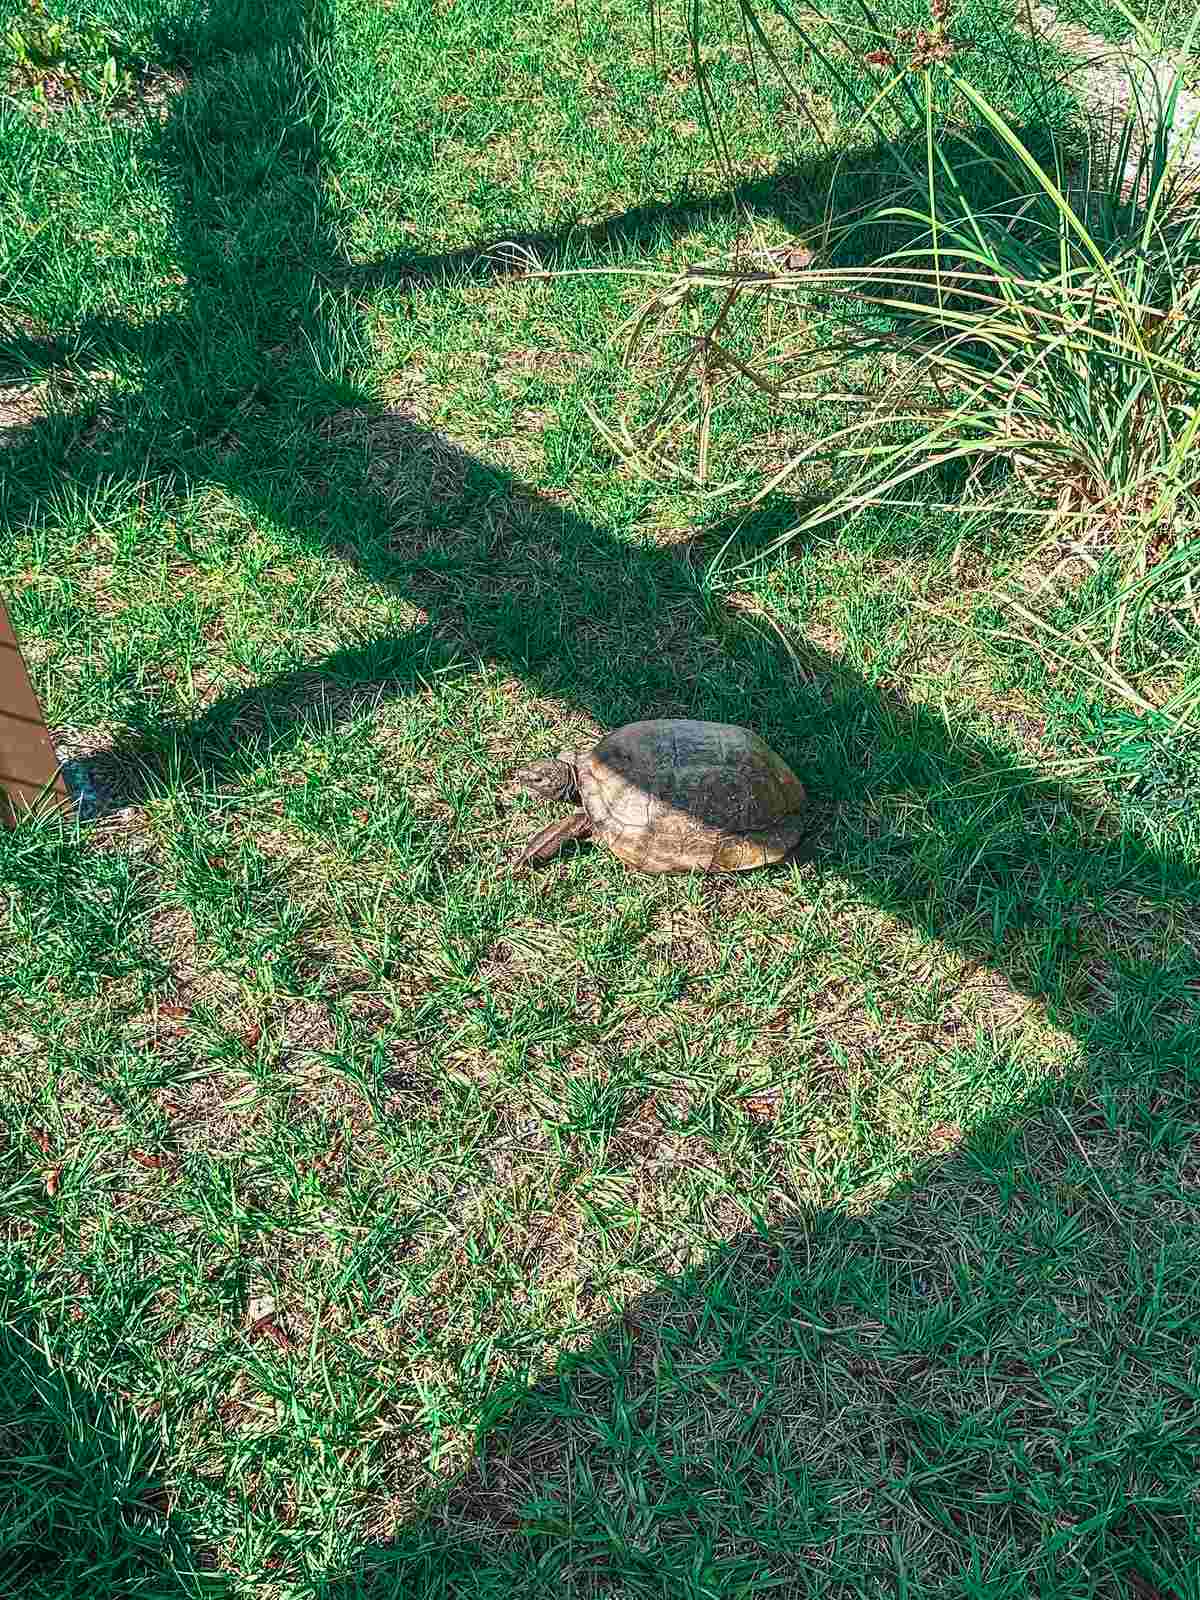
{"x": 986, "y": 1387}
{"x": 990, "y": 1378}
{"x": 83, "y": 1509}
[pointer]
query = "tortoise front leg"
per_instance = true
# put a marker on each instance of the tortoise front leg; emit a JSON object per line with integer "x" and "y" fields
{"x": 549, "y": 841}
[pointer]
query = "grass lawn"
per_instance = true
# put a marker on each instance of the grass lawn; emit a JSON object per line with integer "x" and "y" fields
{"x": 380, "y": 1223}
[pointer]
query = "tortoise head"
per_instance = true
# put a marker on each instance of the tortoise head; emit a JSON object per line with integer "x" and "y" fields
{"x": 548, "y": 780}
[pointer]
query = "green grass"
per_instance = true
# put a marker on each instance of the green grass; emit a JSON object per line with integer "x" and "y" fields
{"x": 378, "y": 1222}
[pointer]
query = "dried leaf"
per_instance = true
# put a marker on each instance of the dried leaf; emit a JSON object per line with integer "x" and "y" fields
{"x": 945, "y": 1133}
{"x": 40, "y": 1138}
{"x": 793, "y": 257}
{"x": 323, "y": 1163}
{"x": 157, "y": 1499}
{"x": 269, "y": 1328}
{"x": 52, "y": 1178}
{"x": 145, "y": 1159}
{"x": 880, "y": 58}
{"x": 1144, "y": 1590}
{"x": 173, "y": 1011}
{"x": 252, "y": 1036}
{"x": 348, "y": 983}
{"x": 172, "y": 1107}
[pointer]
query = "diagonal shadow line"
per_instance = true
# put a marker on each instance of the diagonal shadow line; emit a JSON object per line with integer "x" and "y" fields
{"x": 827, "y": 1402}
{"x": 507, "y": 576}
{"x": 26, "y": 357}
{"x": 788, "y": 195}
{"x": 795, "y": 193}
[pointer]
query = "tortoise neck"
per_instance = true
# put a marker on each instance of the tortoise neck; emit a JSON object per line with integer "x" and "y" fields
{"x": 569, "y": 768}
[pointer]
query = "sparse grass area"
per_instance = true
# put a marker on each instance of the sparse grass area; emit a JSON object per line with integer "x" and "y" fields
{"x": 414, "y": 1229}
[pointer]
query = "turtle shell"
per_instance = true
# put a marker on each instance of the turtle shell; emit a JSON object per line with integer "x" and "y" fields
{"x": 673, "y": 795}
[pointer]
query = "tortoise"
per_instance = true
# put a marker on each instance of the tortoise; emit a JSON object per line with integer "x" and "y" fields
{"x": 671, "y": 795}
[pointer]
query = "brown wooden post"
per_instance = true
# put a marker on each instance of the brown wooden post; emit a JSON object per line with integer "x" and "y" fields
{"x": 28, "y": 763}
